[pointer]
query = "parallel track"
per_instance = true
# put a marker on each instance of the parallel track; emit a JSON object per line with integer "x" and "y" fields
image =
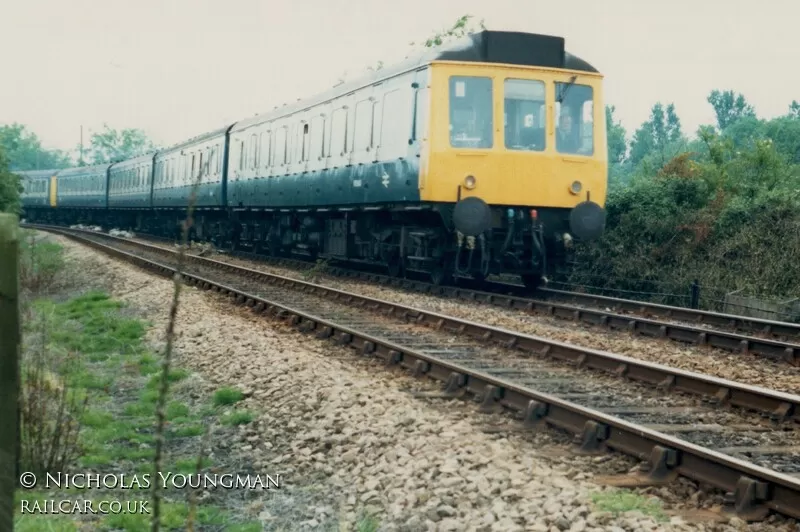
{"x": 770, "y": 345}
{"x": 545, "y": 392}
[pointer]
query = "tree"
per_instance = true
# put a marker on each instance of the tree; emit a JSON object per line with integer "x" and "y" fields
{"x": 112, "y": 146}
{"x": 10, "y": 186}
{"x": 24, "y": 150}
{"x": 460, "y": 28}
{"x": 661, "y": 135}
{"x": 794, "y": 109}
{"x": 617, "y": 144}
{"x": 729, "y": 107}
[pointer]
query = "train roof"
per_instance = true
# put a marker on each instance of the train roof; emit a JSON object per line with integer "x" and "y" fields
{"x": 198, "y": 138}
{"x": 146, "y": 158}
{"x": 501, "y": 47}
{"x": 81, "y": 170}
{"x": 35, "y": 173}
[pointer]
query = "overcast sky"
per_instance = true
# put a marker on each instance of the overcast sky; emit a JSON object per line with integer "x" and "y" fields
{"x": 177, "y": 68}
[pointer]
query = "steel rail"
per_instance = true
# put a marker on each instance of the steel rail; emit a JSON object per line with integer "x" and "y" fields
{"x": 716, "y": 319}
{"x": 752, "y": 491}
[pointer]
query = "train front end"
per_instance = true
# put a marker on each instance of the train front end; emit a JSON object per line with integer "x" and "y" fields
{"x": 517, "y": 150}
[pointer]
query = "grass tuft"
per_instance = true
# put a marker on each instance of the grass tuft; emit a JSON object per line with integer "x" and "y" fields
{"x": 227, "y": 396}
{"x": 621, "y": 501}
{"x": 240, "y": 417}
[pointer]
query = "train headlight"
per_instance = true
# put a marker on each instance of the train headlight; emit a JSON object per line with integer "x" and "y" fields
{"x": 470, "y": 182}
{"x": 576, "y": 187}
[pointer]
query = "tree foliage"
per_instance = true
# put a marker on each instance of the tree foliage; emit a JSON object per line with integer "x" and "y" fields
{"x": 660, "y": 137}
{"x": 10, "y": 187}
{"x": 24, "y": 150}
{"x": 462, "y": 27}
{"x": 111, "y": 146}
{"x": 616, "y": 134}
{"x": 794, "y": 109}
{"x": 729, "y": 107}
{"x": 723, "y": 208}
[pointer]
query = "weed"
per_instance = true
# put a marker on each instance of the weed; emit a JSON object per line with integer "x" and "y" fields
{"x": 317, "y": 270}
{"x": 240, "y": 417}
{"x": 620, "y": 501}
{"x": 227, "y": 396}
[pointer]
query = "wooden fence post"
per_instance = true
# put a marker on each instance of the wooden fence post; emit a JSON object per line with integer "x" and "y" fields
{"x": 9, "y": 366}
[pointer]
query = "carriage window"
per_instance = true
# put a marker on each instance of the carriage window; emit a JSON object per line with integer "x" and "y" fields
{"x": 375, "y": 141}
{"x": 305, "y": 144}
{"x": 253, "y": 151}
{"x": 280, "y": 146}
{"x": 264, "y": 150}
{"x": 338, "y": 133}
{"x": 396, "y": 122}
{"x": 575, "y": 119}
{"x": 470, "y": 112}
{"x": 363, "y": 129}
{"x": 317, "y": 128}
{"x": 421, "y": 121}
{"x": 524, "y": 111}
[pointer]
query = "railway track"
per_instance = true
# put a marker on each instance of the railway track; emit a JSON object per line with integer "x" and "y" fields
{"x": 672, "y": 419}
{"x": 778, "y": 341}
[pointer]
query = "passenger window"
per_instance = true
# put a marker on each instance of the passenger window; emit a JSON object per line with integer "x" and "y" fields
{"x": 363, "y": 126}
{"x": 264, "y": 150}
{"x": 524, "y": 104}
{"x": 375, "y": 138}
{"x": 305, "y": 144}
{"x": 317, "y": 133}
{"x": 338, "y": 133}
{"x": 280, "y": 146}
{"x": 574, "y": 119}
{"x": 396, "y": 123}
{"x": 471, "y": 122}
{"x": 421, "y": 121}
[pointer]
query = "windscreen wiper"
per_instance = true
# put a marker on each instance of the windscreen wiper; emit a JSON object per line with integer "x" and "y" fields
{"x": 570, "y": 83}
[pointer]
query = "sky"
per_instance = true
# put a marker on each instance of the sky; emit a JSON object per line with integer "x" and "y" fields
{"x": 179, "y": 68}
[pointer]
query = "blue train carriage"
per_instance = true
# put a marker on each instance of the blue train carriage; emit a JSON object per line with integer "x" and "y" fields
{"x": 298, "y": 174}
{"x": 82, "y": 194}
{"x": 130, "y": 191}
{"x": 38, "y": 193}
{"x": 200, "y": 161}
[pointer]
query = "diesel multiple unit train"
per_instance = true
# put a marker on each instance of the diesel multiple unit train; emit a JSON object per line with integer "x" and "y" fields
{"x": 483, "y": 156}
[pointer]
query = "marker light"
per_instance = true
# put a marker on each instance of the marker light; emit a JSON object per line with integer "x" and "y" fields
{"x": 470, "y": 182}
{"x": 575, "y": 187}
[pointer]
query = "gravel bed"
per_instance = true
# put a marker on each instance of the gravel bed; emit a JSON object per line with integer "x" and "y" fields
{"x": 349, "y": 437}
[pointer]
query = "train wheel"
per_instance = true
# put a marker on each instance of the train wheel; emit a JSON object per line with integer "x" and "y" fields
{"x": 532, "y": 281}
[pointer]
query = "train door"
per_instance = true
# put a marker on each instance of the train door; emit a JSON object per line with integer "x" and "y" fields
{"x": 53, "y": 188}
